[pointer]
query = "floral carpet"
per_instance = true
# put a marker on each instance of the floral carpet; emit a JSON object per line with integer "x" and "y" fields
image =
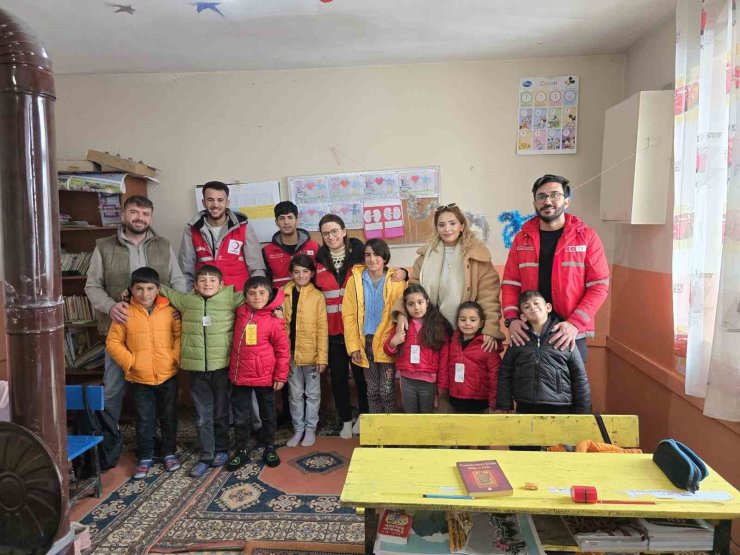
{"x": 297, "y": 501}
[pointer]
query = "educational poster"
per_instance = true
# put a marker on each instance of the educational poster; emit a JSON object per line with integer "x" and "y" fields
{"x": 548, "y": 111}
{"x": 256, "y": 201}
{"x": 391, "y": 204}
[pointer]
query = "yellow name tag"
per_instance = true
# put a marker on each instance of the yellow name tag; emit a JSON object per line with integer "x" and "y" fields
{"x": 250, "y": 334}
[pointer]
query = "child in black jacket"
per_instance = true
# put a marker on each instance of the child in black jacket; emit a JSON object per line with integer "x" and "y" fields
{"x": 539, "y": 377}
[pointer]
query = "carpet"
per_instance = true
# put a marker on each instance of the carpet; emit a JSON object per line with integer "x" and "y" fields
{"x": 170, "y": 512}
{"x": 299, "y": 548}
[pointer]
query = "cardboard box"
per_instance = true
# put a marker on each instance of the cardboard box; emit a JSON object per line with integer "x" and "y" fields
{"x": 76, "y": 166}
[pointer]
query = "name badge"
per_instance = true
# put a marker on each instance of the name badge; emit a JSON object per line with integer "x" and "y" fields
{"x": 459, "y": 372}
{"x": 206, "y": 320}
{"x": 250, "y": 334}
{"x": 234, "y": 247}
{"x": 415, "y": 354}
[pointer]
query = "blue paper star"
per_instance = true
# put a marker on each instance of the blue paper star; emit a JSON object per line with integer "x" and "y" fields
{"x": 121, "y": 8}
{"x": 202, "y": 6}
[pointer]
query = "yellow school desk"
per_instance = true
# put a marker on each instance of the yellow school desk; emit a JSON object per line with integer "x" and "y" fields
{"x": 396, "y": 477}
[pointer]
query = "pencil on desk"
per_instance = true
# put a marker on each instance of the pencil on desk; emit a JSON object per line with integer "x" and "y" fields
{"x": 446, "y": 496}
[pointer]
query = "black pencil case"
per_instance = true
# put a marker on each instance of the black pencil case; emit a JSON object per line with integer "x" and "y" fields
{"x": 681, "y": 465}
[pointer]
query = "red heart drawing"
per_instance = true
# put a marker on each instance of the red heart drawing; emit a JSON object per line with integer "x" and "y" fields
{"x": 414, "y": 178}
{"x": 344, "y": 182}
{"x": 379, "y": 180}
{"x": 310, "y": 186}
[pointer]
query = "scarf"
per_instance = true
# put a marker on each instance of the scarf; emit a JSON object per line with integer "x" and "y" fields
{"x": 446, "y": 295}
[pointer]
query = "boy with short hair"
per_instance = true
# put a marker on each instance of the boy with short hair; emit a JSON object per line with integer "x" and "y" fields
{"x": 207, "y": 326}
{"x": 147, "y": 347}
{"x": 539, "y": 377}
{"x": 260, "y": 358}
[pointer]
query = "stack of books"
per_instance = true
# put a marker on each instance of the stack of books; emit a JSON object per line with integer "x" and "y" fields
{"x": 77, "y": 308}
{"x": 600, "y": 534}
{"x": 75, "y": 263}
{"x": 678, "y": 534}
{"x": 109, "y": 206}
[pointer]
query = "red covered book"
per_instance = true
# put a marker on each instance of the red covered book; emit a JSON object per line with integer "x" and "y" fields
{"x": 484, "y": 479}
{"x": 394, "y": 526}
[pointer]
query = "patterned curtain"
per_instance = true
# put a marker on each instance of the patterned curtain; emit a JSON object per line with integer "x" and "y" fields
{"x": 706, "y": 213}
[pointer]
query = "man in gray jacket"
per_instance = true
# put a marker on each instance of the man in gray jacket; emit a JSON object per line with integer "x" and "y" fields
{"x": 134, "y": 246}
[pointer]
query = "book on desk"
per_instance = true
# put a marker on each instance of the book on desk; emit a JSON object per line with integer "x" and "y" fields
{"x": 484, "y": 479}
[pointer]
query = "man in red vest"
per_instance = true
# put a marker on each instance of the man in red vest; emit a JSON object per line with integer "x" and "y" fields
{"x": 222, "y": 238}
{"x": 288, "y": 241}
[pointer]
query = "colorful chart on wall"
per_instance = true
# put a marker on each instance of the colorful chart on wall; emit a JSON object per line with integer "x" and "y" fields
{"x": 548, "y": 113}
{"x": 255, "y": 200}
{"x": 394, "y": 205}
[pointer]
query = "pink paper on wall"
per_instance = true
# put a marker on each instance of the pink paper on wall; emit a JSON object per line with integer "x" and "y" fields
{"x": 383, "y": 219}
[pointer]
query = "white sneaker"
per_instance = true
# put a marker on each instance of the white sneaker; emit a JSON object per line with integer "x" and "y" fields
{"x": 356, "y": 427}
{"x": 346, "y": 432}
{"x": 293, "y": 441}
{"x": 309, "y": 439}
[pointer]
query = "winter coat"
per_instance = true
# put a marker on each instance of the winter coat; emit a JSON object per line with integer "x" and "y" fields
{"x": 147, "y": 346}
{"x": 539, "y": 374}
{"x": 332, "y": 284}
{"x": 430, "y": 361}
{"x": 353, "y": 315}
{"x": 312, "y": 328}
{"x": 277, "y": 259}
{"x": 480, "y": 380}
{"x": 580, "y": 272}
{"x": 268, "y": 360}
{"x": 205, "y": 348}
{"x": 482, "y": 284}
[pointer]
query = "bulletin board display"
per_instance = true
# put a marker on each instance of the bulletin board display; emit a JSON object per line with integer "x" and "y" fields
{"x": 394, "y": 205}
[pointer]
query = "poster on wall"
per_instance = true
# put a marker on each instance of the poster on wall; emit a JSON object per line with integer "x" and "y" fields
{"x": 547, "y": 118}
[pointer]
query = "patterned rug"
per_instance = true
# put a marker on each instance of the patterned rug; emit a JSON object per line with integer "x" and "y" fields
{"x": 296, "y": 502}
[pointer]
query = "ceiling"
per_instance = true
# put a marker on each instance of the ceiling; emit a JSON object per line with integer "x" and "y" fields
{"x": 101, "y": 36}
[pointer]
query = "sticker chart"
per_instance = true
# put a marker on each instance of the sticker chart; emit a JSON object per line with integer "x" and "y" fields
{"x": 389, "y": 204}
{"x": 548, "y": 113}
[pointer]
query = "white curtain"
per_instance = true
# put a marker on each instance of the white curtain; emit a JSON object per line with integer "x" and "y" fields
{"x": 706, "y": 213}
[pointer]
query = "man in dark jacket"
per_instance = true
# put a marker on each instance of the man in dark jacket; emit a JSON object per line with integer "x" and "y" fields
{"x": 539, "y": 377}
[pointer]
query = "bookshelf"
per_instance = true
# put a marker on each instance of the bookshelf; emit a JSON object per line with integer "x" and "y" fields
{"x": 80, "y": 327}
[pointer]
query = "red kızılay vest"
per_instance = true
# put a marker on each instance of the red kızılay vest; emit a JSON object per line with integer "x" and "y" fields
{"x": 278, "y": 260}
{"x": 333, "y": 294}
{"x": 229, "y": 256}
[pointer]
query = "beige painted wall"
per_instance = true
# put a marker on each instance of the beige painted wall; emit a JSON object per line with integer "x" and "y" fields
{"x": 270, "y": 125}
{"x": 649, "y": 65}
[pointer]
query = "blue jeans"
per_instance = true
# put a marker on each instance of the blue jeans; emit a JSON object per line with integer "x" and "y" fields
{"x": 304, "y": 380}
{"x": 115, "y": 387}
{"x": 152, "y": 403}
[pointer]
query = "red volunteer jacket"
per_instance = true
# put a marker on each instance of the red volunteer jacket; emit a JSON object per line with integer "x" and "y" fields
{"x": 229, "y": 258}
{"x": 480, "y": 377}
{"x": 277, "y": 259}
{"x": 429, "y": 360}
{"x": 580, "y": 272}
{"x": 267, "y": 361}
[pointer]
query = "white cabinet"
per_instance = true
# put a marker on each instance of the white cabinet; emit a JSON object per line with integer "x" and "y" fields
{"x": 637, "y": 159}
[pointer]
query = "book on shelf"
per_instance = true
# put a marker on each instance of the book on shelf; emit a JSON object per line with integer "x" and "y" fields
{"x": 109, "y": 206}
{"x": 428, "y": 534}
{"x": 77, "y": 308}
{"x": 678, "y": 534}
{"x": 617, "y": 535}
{"x": 552, "y": 531}
{"x": 394, "y": 526}
{"x": 75, "y": 263}
{"x": 484, "y": 479}
{"x": 479, "y": 533}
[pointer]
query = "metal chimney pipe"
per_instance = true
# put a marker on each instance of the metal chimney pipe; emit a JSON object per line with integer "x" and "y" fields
{"x": 30, "y": 214}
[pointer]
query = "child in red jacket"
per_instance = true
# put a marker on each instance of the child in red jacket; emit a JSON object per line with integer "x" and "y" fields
{"x": 472, "y": 374}
{"x": 260, "y": 358}
{"x": 418, "y": 351}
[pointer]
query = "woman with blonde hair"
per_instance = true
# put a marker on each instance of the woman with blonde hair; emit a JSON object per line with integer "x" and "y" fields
{"x": 455, "y": 267}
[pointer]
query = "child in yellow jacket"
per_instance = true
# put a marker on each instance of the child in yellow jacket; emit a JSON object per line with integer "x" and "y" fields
{"x": 304, "y": 309}
{"x": 147, "y": 347}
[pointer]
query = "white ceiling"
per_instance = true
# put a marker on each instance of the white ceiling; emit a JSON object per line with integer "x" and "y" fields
{"x": 88, "y": 36}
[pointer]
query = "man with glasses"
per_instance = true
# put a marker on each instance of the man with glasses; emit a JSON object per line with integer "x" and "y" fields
{"x": 560, "y": 256}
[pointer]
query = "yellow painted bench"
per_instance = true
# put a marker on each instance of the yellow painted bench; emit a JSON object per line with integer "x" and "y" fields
{"x": 468, "y": 430}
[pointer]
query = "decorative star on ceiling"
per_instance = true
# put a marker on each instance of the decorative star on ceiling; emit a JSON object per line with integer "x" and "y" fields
{"x": 121, "y": 8}
{"x": 203, "y": 6}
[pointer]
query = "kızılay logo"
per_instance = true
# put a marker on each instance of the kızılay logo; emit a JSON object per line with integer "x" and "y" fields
{"x": 527, "y": 83}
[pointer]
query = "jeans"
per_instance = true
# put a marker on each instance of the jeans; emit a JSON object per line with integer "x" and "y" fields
{"x": 210, "y": 393}
{"x": 304, "y": 380}
{"x": 114, "y": 387}
{"x": 152, "y": 403}
{"x": 418, "y": 396}
{"x": 241, "y": 405}
{"x": 339, "y": 366}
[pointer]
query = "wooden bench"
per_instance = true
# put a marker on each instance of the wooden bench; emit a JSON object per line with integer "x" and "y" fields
{"x": 79, "y": 445}
{"x": 468, "y": 430}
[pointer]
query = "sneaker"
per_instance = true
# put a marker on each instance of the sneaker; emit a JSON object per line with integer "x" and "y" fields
{"x": 142, "y": 469}
{"x": 172, "y": 463}
{"x": 220, "y": 459}
{"x": 198, "y": 470}
{"x": 346, "y": 432}
{"x": 239, "y": 459}
{"x": 295, "y": 440}
{"x": 271, "y": 457}
{"x": 309, "y": 439}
